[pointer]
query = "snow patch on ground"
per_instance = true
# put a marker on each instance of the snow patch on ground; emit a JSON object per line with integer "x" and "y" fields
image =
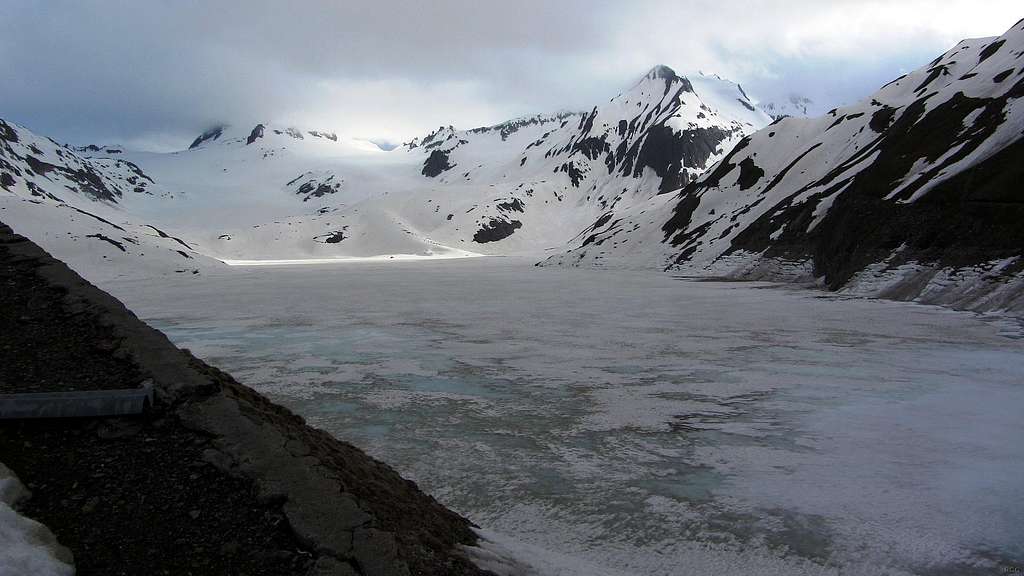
{"x": 26, "y": 546}
{"x": 379, "y": 258}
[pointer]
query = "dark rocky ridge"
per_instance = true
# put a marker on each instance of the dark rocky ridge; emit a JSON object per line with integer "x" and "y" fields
{"x": 207, "y": 136}
{"x": 256, "y": 134}
{"x": 663, "y": 72}
{"x": 496, "y": 229}
{"x": 509, "y": 127}
{"x": 311, "y": 185}
{"x": 216, "y": 479}
{"x": 436, "y": 163}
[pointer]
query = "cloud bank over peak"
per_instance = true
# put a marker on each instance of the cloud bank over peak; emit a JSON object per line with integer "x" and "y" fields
{"x": 154, "y": 73}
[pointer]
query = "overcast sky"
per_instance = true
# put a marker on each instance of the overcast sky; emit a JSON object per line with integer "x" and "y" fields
{"x": 154, "y": 73}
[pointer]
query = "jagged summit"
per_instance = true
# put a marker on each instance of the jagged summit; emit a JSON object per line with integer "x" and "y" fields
{"x": 264, "y": 132}
{"x": 442, "y": 134}
{"x": 661, "y": 75}
{"x": 662, "y": 72}
{"x": 256, "y": 134}
{"x": 207, "y": 136}
{"x": 97, "y": 148}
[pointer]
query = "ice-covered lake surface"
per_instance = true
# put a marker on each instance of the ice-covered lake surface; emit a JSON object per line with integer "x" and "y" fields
{"x": 636, "y": 423}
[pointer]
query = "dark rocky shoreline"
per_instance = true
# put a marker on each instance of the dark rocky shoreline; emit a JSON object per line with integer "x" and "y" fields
{"x": 215, "y": 479}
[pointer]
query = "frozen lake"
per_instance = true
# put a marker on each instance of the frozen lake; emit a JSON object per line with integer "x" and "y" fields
{"x": 643, "y": 423}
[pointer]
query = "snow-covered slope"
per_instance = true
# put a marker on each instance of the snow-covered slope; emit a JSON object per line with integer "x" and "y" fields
{"x": 531, "y": 184}
{"x": 279, "y": 193}
{"x": 673, "y": 125}
{"x": 793, "y": 105}
{"x": 913, "y": 193}
{"x": 72, "y": 206}
{"x": 520, "y": 187}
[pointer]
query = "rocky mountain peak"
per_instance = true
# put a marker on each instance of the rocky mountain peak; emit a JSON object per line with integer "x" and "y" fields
{"x": 208, "y": 136}
{"x": 662, "y": 72}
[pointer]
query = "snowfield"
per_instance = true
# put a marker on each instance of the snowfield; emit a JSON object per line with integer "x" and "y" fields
{"x": 639, "y": 422}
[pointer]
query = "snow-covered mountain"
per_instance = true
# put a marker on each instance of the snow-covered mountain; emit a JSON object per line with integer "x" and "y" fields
{"x": 670, "y": 124}
{"x": 533, "y": 183}
{"x": 905, "y": 194}
{"x": 524, "y": 186}
{"x": 914, "y": 192}
{"x": 73, "y": 207}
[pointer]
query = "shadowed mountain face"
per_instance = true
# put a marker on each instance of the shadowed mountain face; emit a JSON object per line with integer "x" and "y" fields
{"x": 913, "y": 192}
{"x": 48, "y": 170}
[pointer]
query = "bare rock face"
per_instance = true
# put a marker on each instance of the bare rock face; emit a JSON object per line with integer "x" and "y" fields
{"x": 312, "y": 185}
{"x": 255, "y": 135}
{"x": 436, "y": 163}
{"x": 207, "y": 136}
{"x": 495, "y": 230}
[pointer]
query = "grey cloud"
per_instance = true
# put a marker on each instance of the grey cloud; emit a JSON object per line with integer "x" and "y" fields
{"x": 158, "y": 71}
